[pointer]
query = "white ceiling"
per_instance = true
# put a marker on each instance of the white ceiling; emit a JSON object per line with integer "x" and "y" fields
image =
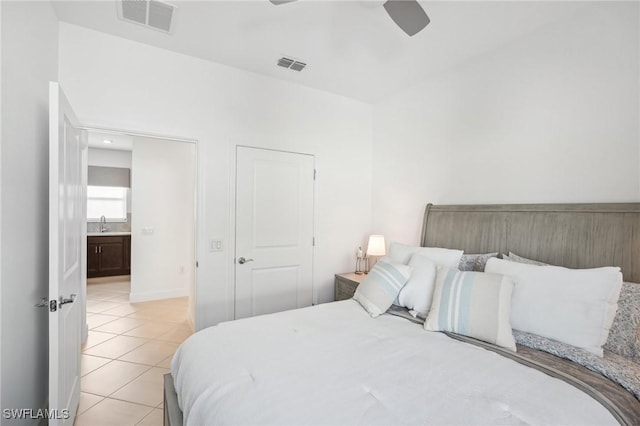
{"x": 352, "y": 48}
{"x": 118, "y": 141}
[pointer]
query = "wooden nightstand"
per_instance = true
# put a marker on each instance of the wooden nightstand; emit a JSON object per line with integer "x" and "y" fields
{"x": 346, "y": 284}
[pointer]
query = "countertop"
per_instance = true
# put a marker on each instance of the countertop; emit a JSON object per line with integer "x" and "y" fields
{"x": 106, "y": 234}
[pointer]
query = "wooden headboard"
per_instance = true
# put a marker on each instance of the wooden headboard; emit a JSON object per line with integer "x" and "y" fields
{"x": 571, "y": 235}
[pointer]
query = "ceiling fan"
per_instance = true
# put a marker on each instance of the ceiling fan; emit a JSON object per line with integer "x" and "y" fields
{"x": 407, "y": 14}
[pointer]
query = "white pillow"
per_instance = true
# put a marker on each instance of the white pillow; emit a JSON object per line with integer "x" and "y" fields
{"x": 474, "y": 304}
{"x": 417, "y": 294}
{"x": 379, "y": 289}
{"x": 574, "y": 306}
{"x": 402, "y": 253}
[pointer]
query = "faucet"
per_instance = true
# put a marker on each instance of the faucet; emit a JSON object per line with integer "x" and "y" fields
{"x": 103, "y": 223}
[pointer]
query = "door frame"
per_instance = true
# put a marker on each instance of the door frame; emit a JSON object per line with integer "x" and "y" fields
{"x": 233, "y": 173}
{"x": 198, "y": 187}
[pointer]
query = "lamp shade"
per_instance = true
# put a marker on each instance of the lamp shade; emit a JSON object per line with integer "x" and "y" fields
{"x": 376, "y": 246}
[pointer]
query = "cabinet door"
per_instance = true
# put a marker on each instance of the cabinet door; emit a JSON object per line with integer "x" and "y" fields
{"x": 93, "y": 260}
{"x": 111, "y": 257}
{"x": 127, "y": 254}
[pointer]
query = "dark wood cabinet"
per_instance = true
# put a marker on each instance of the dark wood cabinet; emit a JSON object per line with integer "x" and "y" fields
{"x": 108, "y": 255}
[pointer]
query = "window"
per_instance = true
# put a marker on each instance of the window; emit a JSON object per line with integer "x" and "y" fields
{"x": 107, "y": 201}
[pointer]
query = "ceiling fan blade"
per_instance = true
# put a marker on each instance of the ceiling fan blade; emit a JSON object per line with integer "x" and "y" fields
{"x": 279, "y": 2}
{"x": 408, "y": 15}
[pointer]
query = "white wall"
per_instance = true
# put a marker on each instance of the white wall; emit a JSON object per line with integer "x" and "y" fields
{"x": 116, "y": 83}
{"x": 109, "y": 158}
{"x": 551, "y": 117}
{"x": 29, "y": 60}
{"x": 163, "y": 179}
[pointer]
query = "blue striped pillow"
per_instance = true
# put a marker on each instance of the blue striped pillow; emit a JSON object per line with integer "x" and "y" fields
{"x": 380, "y": 288}
{"x": 473, "y": 304}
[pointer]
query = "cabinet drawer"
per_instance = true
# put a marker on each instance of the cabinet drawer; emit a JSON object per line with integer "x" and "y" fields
{"x": 342, "y": 295}
{"x": 344, "y": 288}
{"x": 105, "y": 240}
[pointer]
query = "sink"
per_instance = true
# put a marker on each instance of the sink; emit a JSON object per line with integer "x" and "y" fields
{"x": 107, "y": 234}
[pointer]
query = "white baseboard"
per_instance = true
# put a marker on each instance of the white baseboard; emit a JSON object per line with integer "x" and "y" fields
{"x": 157, "y": 295}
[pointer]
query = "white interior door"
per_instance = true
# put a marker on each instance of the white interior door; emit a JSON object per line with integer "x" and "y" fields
{"x": 274, "y": 231}
{"x": 67, "y": 238}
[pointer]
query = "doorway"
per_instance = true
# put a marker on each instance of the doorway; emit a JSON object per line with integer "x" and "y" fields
{"x": 151, "y": 217}
{"x": 137, "y": 316}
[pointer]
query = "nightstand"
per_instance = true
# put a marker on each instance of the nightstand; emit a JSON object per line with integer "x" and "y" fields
{"x": 345, "y": 285}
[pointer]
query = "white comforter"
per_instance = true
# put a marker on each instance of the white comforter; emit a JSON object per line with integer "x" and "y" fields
{"x": 333, "y": 364}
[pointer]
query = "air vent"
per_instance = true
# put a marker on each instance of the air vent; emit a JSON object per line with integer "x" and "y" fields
{"x": 285, "y": 62}
{"x": 150, "y": 13}
{"x": 292, "y": 64}
{"x": 297, "y": 66}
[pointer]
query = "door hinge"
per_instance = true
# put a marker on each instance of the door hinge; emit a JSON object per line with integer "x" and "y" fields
{"x": 313, "y": 241}
{"x": 53, "y": 305}
{"x": 315, "y": 172}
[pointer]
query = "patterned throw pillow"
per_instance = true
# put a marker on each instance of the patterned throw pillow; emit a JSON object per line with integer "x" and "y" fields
{"x": 380, "y": 288}
{"x": 473, "y": 304}
{"x": 475, "y": 262}
{"x": 624, "y": 335}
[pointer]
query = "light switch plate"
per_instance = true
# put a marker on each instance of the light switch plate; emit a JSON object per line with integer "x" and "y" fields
{"x": 215, "y": 245}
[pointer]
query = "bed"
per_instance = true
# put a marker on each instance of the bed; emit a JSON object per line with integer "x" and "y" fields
{"x": 334, "y": 364}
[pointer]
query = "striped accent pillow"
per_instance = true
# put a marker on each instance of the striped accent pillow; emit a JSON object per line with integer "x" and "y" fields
{"x": 473, "y": 304}
{"x": 379, "y": 289}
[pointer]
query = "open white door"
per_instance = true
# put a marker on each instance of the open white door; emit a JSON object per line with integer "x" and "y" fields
{"x": 274, "y": 231}
{"x": 67, "y": 240}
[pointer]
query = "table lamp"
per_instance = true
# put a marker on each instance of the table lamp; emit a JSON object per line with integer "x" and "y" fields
{"x": 375, "y": 248}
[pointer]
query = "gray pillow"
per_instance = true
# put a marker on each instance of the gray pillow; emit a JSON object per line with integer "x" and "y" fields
{"x": 475, "y": 262}
{"x": 515, "y": 258}
{"x": 624, "y": 335}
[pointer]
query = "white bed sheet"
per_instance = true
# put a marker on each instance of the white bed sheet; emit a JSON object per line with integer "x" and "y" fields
{"x": 334, "y": 364}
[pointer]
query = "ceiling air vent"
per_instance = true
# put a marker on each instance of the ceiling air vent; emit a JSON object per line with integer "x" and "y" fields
{"x": 150, "y": 13}
{"x": 297, "y": 66}
{"x": 292, "y": 64}
{"x": 285, "y": 62}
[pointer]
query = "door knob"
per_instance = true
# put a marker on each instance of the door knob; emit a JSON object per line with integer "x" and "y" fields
{"x": 242, "y": 260}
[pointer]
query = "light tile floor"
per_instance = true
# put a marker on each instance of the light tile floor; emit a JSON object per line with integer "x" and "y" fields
{"x": 129, "y": 349}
